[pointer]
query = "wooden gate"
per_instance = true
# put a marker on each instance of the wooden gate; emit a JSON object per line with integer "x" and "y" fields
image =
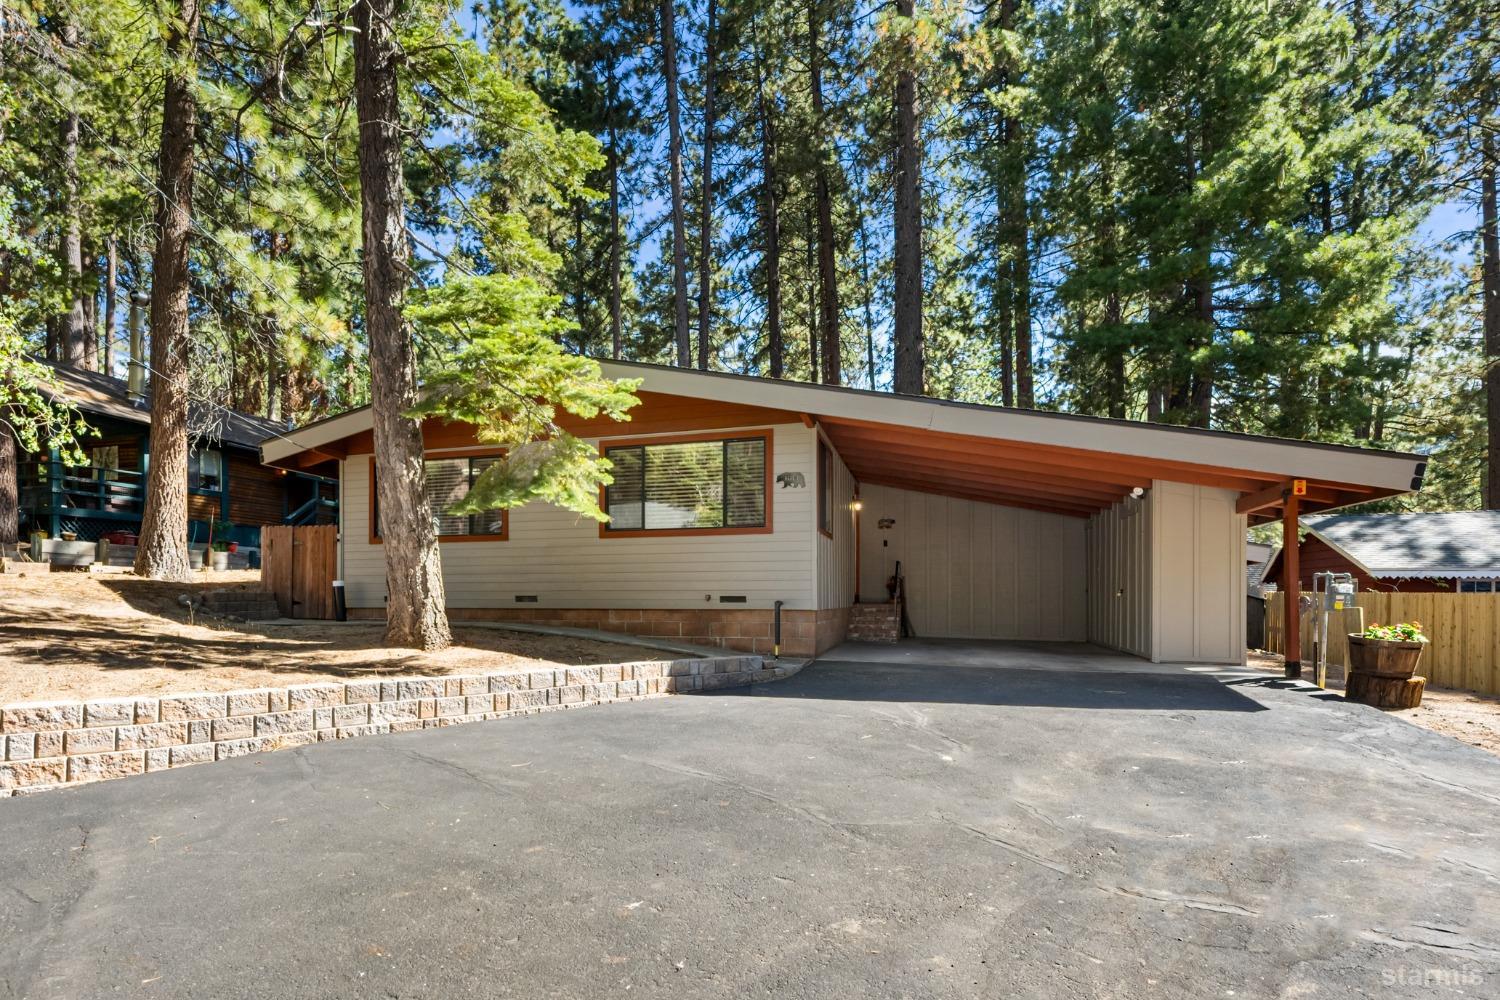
{"x": 298, "y": 566}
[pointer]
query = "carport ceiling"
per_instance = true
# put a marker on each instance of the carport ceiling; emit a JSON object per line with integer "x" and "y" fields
{"x": 1072, "y": 481}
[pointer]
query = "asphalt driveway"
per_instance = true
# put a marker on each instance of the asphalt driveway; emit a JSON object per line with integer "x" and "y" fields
{"x": 935, "y": 821}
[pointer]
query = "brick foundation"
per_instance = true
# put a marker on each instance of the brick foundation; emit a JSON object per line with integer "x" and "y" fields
{"x": 875, "y": 622}
{"x": 55, "y": 744}
{"x": 748, "y": 630}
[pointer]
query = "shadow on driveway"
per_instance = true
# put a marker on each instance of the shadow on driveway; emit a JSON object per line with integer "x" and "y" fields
{"x": 1052, "y": 687}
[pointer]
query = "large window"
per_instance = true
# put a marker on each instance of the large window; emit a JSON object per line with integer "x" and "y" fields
{"x": 825, "y": 488}
{"x": 688, "y": 486}
{"x": 446, "y": 481}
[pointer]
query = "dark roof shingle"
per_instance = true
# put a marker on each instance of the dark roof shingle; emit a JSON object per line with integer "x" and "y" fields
{"x": 1463, "y": 543}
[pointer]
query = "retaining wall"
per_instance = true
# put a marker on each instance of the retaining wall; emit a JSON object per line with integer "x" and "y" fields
{"x": 54, "y": 744}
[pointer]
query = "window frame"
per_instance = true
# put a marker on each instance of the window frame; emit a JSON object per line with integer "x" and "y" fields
{"x": 763, "y": 434}
{"x": 220, "y": 479}
{"x": 503, "y": 535}
{"x": 825, "y": 487}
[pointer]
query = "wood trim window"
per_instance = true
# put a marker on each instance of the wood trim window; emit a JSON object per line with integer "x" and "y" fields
{"x": 825, "y": 487}
{"x": 717, "y": 484}
{"x": 448, "y": 478}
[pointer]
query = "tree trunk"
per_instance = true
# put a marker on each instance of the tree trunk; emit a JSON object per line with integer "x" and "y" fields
{"x": 90, "y": 296}
{"x": 1489, "y": 270}
{"x": 706, "y": 208}
{"x": 907, "y": 312}
{"x": 162, "y": 552}
{"x": 10, "y": 501}
{"x": 828, "y": 276}
{"x": 812, "y": 298}
{"x": 1025, "y": 391}
{"x": 674, "y": 166}
{"x": 771, "y": 221}
{"x": 869, "y": 310}
{"x": 111, "y": 294}
{"x": 415, "y": 615}
{"x": 616, "y": 340}
{"x": 75, "y": 330}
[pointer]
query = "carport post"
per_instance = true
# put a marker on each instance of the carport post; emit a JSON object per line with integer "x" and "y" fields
{"x": 1291, "y": 583}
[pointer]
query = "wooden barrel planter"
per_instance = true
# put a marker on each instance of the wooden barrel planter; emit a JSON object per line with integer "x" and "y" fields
{"x": 1381, "y": 672}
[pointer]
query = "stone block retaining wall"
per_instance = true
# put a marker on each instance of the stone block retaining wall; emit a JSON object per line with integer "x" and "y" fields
{"x": 53, "y": 744}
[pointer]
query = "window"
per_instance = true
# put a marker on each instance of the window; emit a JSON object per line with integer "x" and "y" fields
{"x": 1479, "y": 586}
{"x": 689, "y": 486}
{"x": 446, "y": 482}
{"x": 825, "y": 488}
{"x": 205, "y": 469}
{"x": 106, "y": 457}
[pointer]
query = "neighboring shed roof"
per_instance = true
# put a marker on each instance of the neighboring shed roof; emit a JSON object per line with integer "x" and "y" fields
{"x": 1461, "y": 544}
{"x": 107, "y": 396}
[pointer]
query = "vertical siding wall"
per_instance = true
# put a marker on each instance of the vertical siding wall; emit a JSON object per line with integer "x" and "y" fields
{"x": 559, "y": 556}
{"x": 1198, "y": 606}
{"x": 1119, "y": 577}
{"x": 976, "y": 570}
{"x": 836, "y": 554}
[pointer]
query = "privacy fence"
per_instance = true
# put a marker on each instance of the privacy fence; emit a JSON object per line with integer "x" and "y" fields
{"x": 1464, "y": 630}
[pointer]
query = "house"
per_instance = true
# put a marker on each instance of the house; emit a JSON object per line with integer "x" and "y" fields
{"x": 105, "y": 498}
{"x": 741, "y": 502}
{"x": 1412, "y": 553}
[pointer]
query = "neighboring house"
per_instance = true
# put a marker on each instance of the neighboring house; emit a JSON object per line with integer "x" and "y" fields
{"x": 1413, "y": 553}
{"x": 1258, "y": 557}
{"x": 739, "y": 501}
{"x": 226, "y": 480}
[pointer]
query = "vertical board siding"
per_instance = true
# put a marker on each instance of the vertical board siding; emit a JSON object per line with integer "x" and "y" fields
{"x": 1463, "y": 632}
{"x": 975, "y": 570}
{"x": 1198, "y": 575}
{"x": 835, "y": 556}
{"x": 1119, "y": 577}
{"x": 559, "y": 557}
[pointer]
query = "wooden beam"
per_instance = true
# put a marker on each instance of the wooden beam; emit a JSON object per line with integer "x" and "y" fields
{"x": 864, "y": 457}
{"x": 1271, "y": 496}
{"x": 1074, "y": 459}
{"x": 1291, "y": 587}
{"x": 808, "y": 420}
{"x": 1049, "y": 506}
{"x": 983, "y": 475}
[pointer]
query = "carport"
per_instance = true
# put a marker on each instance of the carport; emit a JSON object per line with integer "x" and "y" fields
{"x": 1022, "y": 525}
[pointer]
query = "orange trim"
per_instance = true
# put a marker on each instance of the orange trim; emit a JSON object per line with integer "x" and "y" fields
{"x": 502, "y": 536}
{"x": 764, "y": 433}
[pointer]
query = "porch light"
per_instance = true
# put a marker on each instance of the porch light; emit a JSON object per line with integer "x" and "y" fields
{"x": 858, "y": 504}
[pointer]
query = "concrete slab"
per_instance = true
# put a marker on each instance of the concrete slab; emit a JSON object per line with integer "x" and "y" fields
{"x": 1041, "y": 828}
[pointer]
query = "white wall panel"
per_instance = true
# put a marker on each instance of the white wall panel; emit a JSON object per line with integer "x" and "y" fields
{"x": 559, "y": 556}
{"x": 1119, "y": 576}
{"x": 1198, "y": 607}
{"x": 975, "y": 570}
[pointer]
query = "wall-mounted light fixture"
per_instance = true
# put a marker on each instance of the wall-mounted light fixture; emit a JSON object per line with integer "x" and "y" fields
{"x": 857, "y": 503}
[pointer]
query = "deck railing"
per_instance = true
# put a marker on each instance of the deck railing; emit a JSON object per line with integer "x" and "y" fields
{"x": 100, "y": 491}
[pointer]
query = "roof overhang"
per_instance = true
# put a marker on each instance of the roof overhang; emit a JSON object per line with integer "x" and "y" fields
{"x": 1062, "y": 462}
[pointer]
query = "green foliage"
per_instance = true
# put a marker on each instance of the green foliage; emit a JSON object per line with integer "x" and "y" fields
{"x": 509, "y": 378}
{"x": 1404, "y": 632}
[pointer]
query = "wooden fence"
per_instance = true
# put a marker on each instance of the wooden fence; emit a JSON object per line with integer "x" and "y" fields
{"x": 1464, "y": 630}
{"x": 298, "y": 565}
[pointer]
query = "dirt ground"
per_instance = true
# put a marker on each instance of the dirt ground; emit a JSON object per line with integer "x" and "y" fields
{"x": 81, "y": 635}
{"x": 1465, "y": 716}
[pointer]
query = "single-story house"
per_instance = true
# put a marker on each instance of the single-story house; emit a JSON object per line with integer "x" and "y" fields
{"x": 105, "y": 498}
{"x": 1452, "y": 553}
{"x": 737, "y": 500}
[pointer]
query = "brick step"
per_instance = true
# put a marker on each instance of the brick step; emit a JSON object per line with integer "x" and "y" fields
{"x": 875, "y": 622}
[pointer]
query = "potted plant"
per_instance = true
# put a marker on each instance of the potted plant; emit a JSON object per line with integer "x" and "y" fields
{"x": 1387, "y": 650}
{"x": 220, "y": 558}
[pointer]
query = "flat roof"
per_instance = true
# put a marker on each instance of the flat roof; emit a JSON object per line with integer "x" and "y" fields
{"x": 918, "y": 425}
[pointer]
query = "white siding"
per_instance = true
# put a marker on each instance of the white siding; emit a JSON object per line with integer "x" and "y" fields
{"x": 976, "y": 570}
{"x": 559, "y": 556}
{"x": 1198, "y": 605}
{"x": 836, "y": 554}
{"x": 1119, "y": 577}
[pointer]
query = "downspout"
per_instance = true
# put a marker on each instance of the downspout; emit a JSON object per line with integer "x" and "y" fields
{"x": 776, "y": 632}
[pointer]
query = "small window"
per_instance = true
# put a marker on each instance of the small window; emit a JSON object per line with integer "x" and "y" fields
{"x": 446, "y": 482}
{"x": 825, "y": 488}
{"x": 1476, "y": 587}
{"x": 205, "y": 469}
{"x": 694, "y": 486}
